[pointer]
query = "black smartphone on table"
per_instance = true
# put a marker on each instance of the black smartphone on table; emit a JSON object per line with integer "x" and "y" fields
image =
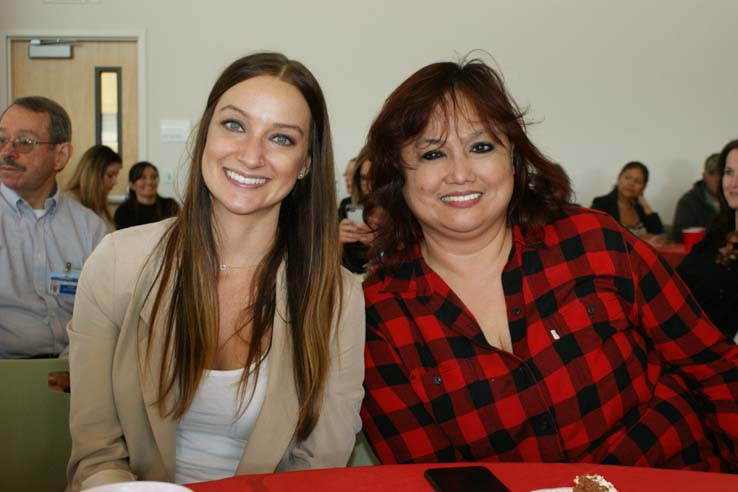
{"x": 464, "y": 479}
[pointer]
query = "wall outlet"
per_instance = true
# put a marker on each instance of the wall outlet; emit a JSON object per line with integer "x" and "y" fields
{"x": 168, "y": 175}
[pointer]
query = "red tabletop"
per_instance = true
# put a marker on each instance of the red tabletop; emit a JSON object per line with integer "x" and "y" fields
{"x": 519, "y": 477}
{"x": 673, "y": 253}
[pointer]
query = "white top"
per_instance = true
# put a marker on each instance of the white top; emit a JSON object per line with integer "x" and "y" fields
{"x": 212, "y": 435}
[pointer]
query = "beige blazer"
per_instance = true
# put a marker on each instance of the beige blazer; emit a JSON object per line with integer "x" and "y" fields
{"x": 117, "y": 431}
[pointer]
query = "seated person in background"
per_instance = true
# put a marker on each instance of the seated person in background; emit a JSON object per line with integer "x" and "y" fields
{"x": 95, "y": 175}
{"x": 506, "y": 325}
{"x": 143, "y": 204}
{"x": 628, "y": 205}
{"x": 227, "y": 340}
{"x": 354, "y": 234}
{"x": 711, "y": 268}
{"x": 45, "y": 236}
{"x": 348, "y": 178}
{"x": 698, "y": 206}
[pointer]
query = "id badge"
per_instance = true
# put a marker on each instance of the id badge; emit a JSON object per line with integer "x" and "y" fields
{"x": 63, "y": 283}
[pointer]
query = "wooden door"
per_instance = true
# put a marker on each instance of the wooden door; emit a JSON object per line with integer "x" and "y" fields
{"x": 71, "y": 83}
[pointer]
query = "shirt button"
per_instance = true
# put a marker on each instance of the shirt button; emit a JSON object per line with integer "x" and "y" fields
{"x": 516, "y": 311}
{"x": 437, "y": 380}
{"x": 590, "y": 309}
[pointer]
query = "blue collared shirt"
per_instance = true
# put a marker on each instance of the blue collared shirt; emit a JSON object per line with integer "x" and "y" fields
{"x": 33, "y": 245}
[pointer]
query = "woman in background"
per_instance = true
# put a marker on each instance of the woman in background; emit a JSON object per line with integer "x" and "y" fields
{"x": 629, "y": 207}
{"x": 95, "y": 175}
{"x": 348, "y": 178}
{"x": 226, "y": 340}
{"x": 711, "y": 268}
{"x": 144, "y": 205}
{"x": 354, "y": 234}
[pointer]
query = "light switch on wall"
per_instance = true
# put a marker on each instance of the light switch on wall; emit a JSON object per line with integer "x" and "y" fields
{"x": 168, "y": 175}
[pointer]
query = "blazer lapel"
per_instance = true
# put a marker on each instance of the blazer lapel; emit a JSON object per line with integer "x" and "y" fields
{"x": 150, "y": 362}
{"x": 277, "y": 420}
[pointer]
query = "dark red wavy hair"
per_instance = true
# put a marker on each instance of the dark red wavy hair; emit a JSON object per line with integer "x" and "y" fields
{"x": 540, "y": 189}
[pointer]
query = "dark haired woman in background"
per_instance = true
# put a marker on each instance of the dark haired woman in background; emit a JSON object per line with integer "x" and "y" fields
{"x": 629, "y": 207}
{"x": 711, "y": 268}
{"x": 144, "y": 205}
{"x": 504, "y": 324}
{"x": 354, "y": 234}
{"x": 227, "y": 340}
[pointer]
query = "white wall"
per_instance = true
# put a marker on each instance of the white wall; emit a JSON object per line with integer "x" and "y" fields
{"x": 609, "y": 82}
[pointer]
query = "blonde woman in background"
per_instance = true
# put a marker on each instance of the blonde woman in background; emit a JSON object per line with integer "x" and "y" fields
{"x": 227, "y": 340}
{"x": 95, "y": 175}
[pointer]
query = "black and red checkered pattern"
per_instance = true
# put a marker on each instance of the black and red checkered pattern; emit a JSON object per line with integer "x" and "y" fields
{"x": 613, "y": 361}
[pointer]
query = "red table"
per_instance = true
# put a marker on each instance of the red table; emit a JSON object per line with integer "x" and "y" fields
{"x": 519, "y": 477}
{"x": 673, "y": 253}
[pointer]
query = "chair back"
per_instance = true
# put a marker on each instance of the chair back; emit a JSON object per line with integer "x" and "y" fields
{"x": 34, "y": 427}
{"x": 363, "y": 454}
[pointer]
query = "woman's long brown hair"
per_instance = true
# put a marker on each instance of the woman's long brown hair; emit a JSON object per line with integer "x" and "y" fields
{"x": 305, "y": 241}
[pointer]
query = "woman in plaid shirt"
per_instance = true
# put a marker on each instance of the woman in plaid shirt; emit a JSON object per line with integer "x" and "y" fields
{"x": 504, "y": 324}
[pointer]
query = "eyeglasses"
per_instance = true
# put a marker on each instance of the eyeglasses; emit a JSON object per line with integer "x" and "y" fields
{"x": 22, "y": 145}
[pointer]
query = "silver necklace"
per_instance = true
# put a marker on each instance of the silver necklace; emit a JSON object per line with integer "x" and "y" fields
{"x": 224, "y": 267}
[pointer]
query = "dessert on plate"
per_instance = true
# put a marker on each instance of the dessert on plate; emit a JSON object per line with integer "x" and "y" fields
{"x": 592, "y": 483}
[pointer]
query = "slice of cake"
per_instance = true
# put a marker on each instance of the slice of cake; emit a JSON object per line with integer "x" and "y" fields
{"x": 592, "y": 483}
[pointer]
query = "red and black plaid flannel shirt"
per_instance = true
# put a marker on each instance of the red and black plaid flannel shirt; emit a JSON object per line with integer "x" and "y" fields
{"x": 613, "y": 361}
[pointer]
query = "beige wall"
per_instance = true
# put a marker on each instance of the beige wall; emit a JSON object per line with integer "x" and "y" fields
{"x": 653, "y": 80}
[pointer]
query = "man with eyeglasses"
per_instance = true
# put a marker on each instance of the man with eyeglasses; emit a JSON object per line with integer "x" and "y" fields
{"x": 45, "y": 237}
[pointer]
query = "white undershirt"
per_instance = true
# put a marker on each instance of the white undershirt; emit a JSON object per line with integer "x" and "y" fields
{"x": 211, "y": 436}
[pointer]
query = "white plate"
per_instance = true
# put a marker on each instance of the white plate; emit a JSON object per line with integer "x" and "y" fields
{"x": 140, "y": 487}
{"x": 558, "y": 489}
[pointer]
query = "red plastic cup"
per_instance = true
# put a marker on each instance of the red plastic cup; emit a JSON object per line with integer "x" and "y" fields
{"x": 692, "y": 236}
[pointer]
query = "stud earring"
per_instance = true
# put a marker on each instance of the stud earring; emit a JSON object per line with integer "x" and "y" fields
{"x": 301, "y": 174}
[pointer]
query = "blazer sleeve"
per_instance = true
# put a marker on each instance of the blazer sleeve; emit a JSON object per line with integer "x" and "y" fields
{"x": 99, "y": 453}
{"x": 604, "y": 203}
{"x": 597, "y": 204}
{"x": 332, "y": 440}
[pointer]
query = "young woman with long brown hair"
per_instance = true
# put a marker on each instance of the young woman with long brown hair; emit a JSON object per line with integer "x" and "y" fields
{"x": 226, "y": 340}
